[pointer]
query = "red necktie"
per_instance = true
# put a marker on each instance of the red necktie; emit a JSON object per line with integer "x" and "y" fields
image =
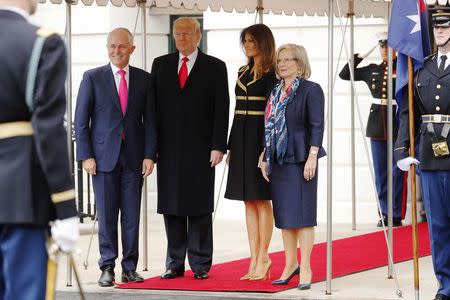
{"x": 123, "y": 91}
{"x": 183, "y": 74}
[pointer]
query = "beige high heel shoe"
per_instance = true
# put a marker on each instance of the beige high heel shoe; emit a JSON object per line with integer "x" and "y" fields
{"x": 246, "y": 276}
{"x": 265, "y": 275}
{"x": 249, "y": 274}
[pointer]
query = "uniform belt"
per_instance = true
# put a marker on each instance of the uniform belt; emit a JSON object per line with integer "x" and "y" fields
{"x": 12, "y": 129}
{"x": 436, "y": 118}
{"x": 249, "y": 112}
{"x": 385, "y": 102}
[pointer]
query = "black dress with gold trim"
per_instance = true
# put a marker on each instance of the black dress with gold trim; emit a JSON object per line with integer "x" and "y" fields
{"x": 246, "y": 140}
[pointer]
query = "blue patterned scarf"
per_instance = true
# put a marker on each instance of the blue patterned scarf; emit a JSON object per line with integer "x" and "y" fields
{"x": 275, "y": 122}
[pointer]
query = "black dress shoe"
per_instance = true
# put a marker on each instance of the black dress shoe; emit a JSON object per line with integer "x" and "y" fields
{"x": 380, "y": 222}
{"x": 107, "y": 277}
{"x": 396, "y": 222}
{"x": 131, "y": 276}
{"x": 171, "y": 274}
{"x": 441, "y": 297}
{"x": 201, "y": 275}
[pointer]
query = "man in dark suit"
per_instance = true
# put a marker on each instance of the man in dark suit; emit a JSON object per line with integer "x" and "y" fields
{"x": 376, "y": 78}
{"x": 115, "y": 130}
{"x": 432, "y": 123}
{"x": 36, "y": 183}
{"x": 192, "y": 100}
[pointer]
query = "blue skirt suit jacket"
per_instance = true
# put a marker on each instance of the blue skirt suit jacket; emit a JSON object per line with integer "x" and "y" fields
{"x": 294, "y": 198}
{"x": 305, "y": 122}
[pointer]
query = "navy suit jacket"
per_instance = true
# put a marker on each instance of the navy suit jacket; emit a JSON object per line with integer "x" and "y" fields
{"x": 305, "y": 122}
{"x": 99, "y": 122}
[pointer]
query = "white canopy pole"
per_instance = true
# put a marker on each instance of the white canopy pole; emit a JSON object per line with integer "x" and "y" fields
{"x": 68, "y": 39}
{"x": 330, "y": 145}
{"x": 390, "y": 151}
{"x": 260, "y": 10}
{"x": 351, "y": 15}
{"x": 144, "y": 198}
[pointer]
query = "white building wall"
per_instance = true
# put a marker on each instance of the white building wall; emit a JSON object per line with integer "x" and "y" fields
{"x": 91, "y": 25}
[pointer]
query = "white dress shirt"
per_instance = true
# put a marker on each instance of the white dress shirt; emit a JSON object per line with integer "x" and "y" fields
{"x": 447, "y": 62}
{"x": 190, "y": 64}
{"x": 117, "y": 75}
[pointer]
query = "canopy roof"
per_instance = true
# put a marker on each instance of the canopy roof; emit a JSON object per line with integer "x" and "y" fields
{"x": 430, "y": 2}
{"x": 439, "y": 2}
{"x": 363, "y": 8}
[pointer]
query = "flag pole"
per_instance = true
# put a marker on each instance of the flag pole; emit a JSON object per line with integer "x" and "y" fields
{"x": 413, "y": 176}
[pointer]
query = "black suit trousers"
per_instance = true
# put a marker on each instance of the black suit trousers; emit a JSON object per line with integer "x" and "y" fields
{"x": 191, "y": 234}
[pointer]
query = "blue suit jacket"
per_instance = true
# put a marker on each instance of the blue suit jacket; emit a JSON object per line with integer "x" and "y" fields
{"x": 99, "y": 122}
{"x": 305, "y": 122}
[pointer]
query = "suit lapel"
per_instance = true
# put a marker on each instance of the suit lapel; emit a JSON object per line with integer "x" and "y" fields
{"x": 432, "y": 67}
{"x": 131, "y": 88}
{"x": 446, "y": 71}
{"x": 195, "y": 69}
{"x": 111, "y": 86}
{"x": 173, "y": 71}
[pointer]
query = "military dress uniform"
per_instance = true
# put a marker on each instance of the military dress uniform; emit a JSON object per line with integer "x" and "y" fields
{"x": 375, "y": 76}
{"x": 36, "y": 184}
{"x": 246, "y": 141}
{"x": 432, "y": 123}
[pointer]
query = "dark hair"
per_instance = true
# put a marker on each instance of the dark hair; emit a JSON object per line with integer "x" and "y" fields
{"x": 265, "y": 43}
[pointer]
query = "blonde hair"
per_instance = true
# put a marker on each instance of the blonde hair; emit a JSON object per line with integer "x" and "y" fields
{"x": 301, "y": 57}
{"x": 188, "y": 20}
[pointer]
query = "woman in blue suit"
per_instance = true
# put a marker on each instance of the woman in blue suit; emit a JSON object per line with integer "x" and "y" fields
{"x": 294, "y": 126}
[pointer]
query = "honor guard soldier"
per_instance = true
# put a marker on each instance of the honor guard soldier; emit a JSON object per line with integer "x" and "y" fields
{"x": 376, "y": 78}
{"x": 432, "y": 123}
{"x": 35, "y": 179}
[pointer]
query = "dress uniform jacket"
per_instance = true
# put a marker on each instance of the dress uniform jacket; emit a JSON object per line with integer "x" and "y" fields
{"x": 375, "y": 76}
{"x": 246, "y": 140}
{"x": 431, "y": 96}
{"x": 35, "y": 178}
{"x": 191, "y": 122}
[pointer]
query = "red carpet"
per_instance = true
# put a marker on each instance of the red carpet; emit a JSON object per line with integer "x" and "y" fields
{"x": 350, "y": 255}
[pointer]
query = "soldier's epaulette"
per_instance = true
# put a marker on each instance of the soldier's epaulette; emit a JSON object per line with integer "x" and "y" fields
{"x": 243, "y": 68}
{"x": 429, "y": 57}
{"x": 45, "y": 32}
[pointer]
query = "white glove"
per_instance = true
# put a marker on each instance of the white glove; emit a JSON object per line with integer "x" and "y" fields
{"x": 66, "y": 233}
{"x": 368, "y": 52}
{"x": 405, "y": 163}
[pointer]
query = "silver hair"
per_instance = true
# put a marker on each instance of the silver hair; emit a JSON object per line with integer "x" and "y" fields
{"x": 129, "y": 34}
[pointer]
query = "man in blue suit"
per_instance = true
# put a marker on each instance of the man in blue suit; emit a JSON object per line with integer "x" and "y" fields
{"x": 115, "y": 130}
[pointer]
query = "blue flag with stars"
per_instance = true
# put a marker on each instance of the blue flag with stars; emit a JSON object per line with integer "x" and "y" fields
{"x": 408, "y": 35}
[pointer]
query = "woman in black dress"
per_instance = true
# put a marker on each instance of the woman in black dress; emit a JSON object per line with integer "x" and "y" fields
{"x": 245, "y": 182}
{"x": 294, "y": 126}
